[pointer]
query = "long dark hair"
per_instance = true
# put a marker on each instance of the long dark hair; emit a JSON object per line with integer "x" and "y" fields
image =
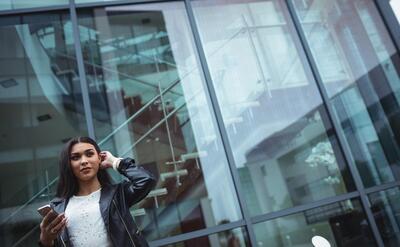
{"x": 68, "y": 184}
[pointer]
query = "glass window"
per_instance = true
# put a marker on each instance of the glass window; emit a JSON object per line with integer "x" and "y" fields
{"x": 396, "y": 8}
{"x": 341, "y": 224}
{"x": 39, "y": 95}
{"x": 17, "y": 4}
{"x": 149, "y": 102}
{"x": 231, "y": 238}
{"x": 385, "y": 206}
{"x": 283, "y": 144}
{"x": 360, "y": 71}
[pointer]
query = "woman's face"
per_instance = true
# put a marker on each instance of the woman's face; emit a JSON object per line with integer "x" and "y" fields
{"x": 85, "y": 161}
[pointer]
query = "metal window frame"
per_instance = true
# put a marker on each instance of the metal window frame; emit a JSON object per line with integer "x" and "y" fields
{"x": 362, "y": 193}
{"x": 197, "y": 233}
{"x": 390, "y": 20}
{"x": 69, "y": 4}
{"x": 119, "y": 3}
{"x": 34, "y": 10}
{"x": 301, "y": 208}
{"x": 382, "y": 187}
{"x": 81, "y": 70}
{"x": 220, "y": 122}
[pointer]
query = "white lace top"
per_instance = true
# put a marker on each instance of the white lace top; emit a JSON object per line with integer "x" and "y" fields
{"x": 85, "y": 224}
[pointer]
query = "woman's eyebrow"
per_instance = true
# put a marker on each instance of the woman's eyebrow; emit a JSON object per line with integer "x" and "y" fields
{"x": 90, "y": 149}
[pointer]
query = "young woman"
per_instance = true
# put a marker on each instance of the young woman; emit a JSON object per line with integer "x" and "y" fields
{"x": 91, "y": 210}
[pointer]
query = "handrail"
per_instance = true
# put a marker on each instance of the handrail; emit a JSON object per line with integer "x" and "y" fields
{"x": 147, "y": 57}
{"x": 99, "y": 67}
{"x": 25, "y": 236}
{"x": 158, "y": 124}
{"x": 30, "y": 200}
{"x": 108, "y": 69}
{"x": 140, "y": 111}
{"x": 151, "y": 130}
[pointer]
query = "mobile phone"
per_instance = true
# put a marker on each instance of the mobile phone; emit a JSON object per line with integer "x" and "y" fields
{"x": 45, "y": 209}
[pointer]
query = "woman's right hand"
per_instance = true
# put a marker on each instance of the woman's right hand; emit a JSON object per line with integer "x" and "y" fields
{"x": 108, "y": 159}
{"x": 50, "y": 227}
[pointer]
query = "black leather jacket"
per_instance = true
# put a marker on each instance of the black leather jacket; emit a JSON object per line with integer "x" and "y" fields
{"x": 115, "y": 201}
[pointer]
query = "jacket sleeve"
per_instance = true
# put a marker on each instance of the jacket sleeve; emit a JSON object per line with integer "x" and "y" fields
{"x": 140, "y": 181}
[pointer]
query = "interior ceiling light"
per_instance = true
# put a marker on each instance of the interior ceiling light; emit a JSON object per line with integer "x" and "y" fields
{"x": 9, "y": 83}
{"x": 44, "y": 117}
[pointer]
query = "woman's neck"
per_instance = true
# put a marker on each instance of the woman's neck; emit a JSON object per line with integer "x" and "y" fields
{"x": 87, "y": 187}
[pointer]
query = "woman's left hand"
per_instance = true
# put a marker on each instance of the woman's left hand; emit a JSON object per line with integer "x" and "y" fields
{"x": 107, "y": 159}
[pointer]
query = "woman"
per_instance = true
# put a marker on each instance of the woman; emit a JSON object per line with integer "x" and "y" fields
{"x": 92, "y": 211}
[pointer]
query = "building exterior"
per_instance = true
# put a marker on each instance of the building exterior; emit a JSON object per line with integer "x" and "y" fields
{"x": 267, "y": 122}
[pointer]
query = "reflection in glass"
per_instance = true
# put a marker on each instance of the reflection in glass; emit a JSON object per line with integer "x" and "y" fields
{"x": 149, "y": 101}
{"x": 360, "y": 70}
{"x": 17, "y": 4}
{"x": 284, "y": 148}
{"x": 231, "y": 238}
{"x": 395, "y": 4}
{"x": 39, "y": 96}
{"x": 341, "y": 223}
{"x": 385, "y": 206}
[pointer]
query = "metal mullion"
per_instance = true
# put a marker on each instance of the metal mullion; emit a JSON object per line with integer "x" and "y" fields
{"x": 390, "y": 21}
{"x": 304, "y": 207}
{"x": 335, "y": 123}
{"x": 120, "y": 2}
{"x": 198, "y": 233}
{"x": 33, "y": 10}
{"x": 220, "y": 123}
{"x": 381, "y": 187}
{"x": 81, "y": 70}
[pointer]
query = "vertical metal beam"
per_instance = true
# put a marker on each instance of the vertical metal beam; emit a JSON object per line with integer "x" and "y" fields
{"x": 220, "y": 122}
{"x": 335, "y": 123}
{"x": 81, "y": 70}
{"x": 390, "y": 21}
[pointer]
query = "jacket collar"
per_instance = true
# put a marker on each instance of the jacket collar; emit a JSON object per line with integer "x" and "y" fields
{"x": 107, "y": 193}
{"x": 59, "y": 205}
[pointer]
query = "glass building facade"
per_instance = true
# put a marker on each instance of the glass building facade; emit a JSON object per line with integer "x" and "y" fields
{"x": 267, "y": 122}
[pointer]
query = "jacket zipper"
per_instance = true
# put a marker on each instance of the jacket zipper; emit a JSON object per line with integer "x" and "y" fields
{"x": 62, "y": 240}
{"x": 123, "y": 222}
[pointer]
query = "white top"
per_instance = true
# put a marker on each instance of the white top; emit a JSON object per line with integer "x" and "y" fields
{"x": 85, "y": 224}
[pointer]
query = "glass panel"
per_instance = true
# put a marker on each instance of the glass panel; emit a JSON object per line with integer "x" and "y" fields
{"x": 231, "y": 238}
{"x": 360, "y": 71}
{"x": 149, "y": 101}
{"x": 385, "y": 206}
{"x": 396, "y": 8}
{"x": 39, "y": 95}
{"x": 342, "y": 224}
{"x": 284, "y": 148}
{"x": 17, "y": 4}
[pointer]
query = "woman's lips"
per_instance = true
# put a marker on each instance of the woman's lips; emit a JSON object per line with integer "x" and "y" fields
{"x": 86, "y": 169}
